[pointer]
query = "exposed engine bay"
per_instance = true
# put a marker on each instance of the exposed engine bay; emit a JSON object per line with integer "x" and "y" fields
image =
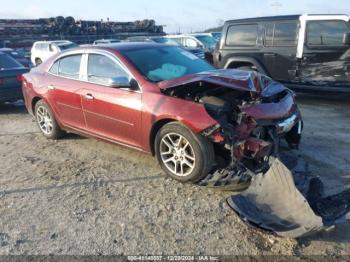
{"x": 255, "y": 115}
{"x": 242, "y": 136}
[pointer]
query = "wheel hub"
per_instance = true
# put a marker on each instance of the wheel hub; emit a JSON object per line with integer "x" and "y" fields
{"x": 177, "y": 154}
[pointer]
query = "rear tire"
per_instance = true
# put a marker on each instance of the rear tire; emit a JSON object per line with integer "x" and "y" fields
{"x": 183, "y": 155}
{"x": 46, "y": 121}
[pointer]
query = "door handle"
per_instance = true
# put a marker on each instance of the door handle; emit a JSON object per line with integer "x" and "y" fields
{"x": 89, "y": 96}
{"x": 50, "y": 87}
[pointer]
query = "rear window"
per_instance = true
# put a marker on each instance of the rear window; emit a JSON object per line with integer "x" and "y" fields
{"x": 7, "y": 62}
{"x": 281, "y": 34}
{"x": 242, "y": 35}
{"x": 326, "y": 33}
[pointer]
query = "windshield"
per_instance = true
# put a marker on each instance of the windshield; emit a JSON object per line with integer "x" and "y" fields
{"x": 166, "y": 41}
{"x": 208, "y": 41}
{"x": 165, "y": 63}
{"x": 67, "y": 46}
{"x": 216, "y": 35}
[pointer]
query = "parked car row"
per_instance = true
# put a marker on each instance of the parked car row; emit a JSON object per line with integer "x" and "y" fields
{"x": 302, "y": 51}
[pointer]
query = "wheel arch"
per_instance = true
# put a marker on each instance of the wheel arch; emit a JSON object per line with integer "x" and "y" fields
{"x": 155, "y": 128}
{"x": 35, "y": 100}
{"x": 235, "y": 62}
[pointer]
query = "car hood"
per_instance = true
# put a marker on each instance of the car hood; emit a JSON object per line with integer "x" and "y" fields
{"x": 248, "y": 81}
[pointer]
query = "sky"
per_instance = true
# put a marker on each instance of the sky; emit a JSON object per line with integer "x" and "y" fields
{"x": 183, "y": 16}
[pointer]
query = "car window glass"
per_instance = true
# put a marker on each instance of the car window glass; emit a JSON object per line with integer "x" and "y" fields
{"x": 330, "y": 33}
{"x": 165, "y": 63}
{"x": 54, "y": 68}
{"x": 6, "y": 62}
{"x": 70, "y": 66}
{"x": 242, "y": 35}
{"x": 281, "y": 34}
{"x": 190, "y": 42}
{"x": 101, "y": 69}
{"x": 44, "y": 47}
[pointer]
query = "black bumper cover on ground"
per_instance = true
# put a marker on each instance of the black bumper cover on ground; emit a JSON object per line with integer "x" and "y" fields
{"x": 274, "y": 203}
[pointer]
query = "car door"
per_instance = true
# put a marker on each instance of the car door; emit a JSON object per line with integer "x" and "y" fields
{"x": 325, "y": 57}
{"x": 280, "y": 48}
{"x": 64, "y": 90}
{"x": 111, "y": 112}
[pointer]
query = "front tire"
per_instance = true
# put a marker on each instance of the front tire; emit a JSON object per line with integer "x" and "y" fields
{"x": 183, "y": 155}
{"x": 46, "y": 121}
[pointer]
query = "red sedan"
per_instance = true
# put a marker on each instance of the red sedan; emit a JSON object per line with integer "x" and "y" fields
{"x": 165, "y": 101}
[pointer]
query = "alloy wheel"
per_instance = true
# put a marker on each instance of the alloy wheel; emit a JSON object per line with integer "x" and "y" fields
{"x": 44, "y": 119}
{"x": 177, "y": 154}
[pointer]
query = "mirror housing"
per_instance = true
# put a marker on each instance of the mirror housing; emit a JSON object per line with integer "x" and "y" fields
{"x": 346, "y": 39}
{"x": 123, "y": 82}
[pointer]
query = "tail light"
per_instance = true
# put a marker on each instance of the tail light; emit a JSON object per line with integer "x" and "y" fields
{"x": 19, "y": 78}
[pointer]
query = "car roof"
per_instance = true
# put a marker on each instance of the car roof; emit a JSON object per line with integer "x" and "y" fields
{"x": 265, "y": 18}
{"x": 125, "y": 46}
{"x": 6, "y": 49}
{"x": 53, "y": 42}
{"x": 275, "y": 18}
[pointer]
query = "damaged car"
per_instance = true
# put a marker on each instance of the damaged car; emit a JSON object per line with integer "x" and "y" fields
{"x": 214, "y": 128}
{"x": 166, "y": 101}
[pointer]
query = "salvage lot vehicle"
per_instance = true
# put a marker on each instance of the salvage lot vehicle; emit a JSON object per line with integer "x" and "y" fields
{"x": 106, "y": 41}
{"x": 10, "y": 78}
{"x": 168, "y": 41}
{"x": 17, "y": 56}
{"x": 42, "y": 50}
{"x": 204, "y": 41}
{"x": 202, "y": 124}
{"x": 165, "y": 101}
{"x": 302, "y": 51}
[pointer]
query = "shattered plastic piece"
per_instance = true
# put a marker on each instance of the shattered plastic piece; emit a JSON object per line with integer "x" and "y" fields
{"x": 228, "y": 179}
{"x": 272, "y": 202}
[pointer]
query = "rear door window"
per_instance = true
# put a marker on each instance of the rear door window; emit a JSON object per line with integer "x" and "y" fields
{"x": 69, "y": 66}
{"x": 281, "y": 34}
{"x": 326, "y": 33}
{"x": 242, "y": 35}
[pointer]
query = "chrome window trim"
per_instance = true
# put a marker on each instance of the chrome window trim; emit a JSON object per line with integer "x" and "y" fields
{"x": 84, "y": 63}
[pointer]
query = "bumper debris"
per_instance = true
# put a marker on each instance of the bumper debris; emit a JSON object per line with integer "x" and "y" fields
{"x": 274, "y": 203}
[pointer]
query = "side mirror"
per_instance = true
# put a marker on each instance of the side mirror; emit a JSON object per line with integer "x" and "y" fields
{"x": 123, "y": 82}
{"x": 51, "y": 49}
{"x": 346, "y": 39}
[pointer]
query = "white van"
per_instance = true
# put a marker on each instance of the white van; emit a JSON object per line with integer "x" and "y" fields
{"x": 42, "y": 50}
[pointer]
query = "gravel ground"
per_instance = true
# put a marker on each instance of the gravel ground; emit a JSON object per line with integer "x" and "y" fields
{"x": 83, "y": 196}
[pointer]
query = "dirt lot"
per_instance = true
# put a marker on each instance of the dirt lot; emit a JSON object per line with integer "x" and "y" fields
{"x": 83, "y": 196}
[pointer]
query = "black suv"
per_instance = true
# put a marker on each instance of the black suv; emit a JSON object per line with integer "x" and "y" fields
{"x": 302, "y": 51}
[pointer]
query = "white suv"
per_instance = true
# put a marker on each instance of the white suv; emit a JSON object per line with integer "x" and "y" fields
{"x": 42, "y": 50}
